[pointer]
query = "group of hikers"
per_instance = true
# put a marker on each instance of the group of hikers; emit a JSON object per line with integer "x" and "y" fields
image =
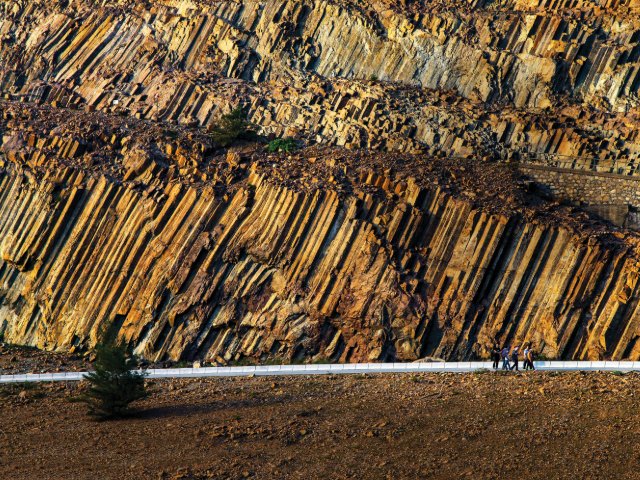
{"x": 511, "y": 358}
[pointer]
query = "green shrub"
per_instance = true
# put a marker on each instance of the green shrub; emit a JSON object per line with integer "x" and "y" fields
{"x": 282, "y": 145}
{"x": 113, "y": 384}
{"x": 232, "y": 127}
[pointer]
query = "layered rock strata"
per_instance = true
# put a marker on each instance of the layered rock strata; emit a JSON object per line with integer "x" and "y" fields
{"x": 509, "y": 79}
{"x": 119, "y": 218}
{"x": 324, "y": 254}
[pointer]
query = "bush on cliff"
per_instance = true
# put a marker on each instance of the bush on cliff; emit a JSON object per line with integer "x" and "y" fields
{"x": 113, "y": 384}
{"x": 232, "y": 127}
{"x": 282, "y": 145}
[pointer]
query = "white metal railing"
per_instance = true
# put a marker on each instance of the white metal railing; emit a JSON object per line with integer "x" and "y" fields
{"x": 321, "y": 369}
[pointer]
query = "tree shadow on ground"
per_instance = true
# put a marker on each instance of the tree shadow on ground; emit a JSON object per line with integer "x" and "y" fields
{"x": 185, "y": 410}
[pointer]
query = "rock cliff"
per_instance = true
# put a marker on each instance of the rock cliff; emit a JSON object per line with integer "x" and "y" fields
{"x": 513, "y": 78}
{"x": 323, "y": 253}
{"x": 401, "y": 231}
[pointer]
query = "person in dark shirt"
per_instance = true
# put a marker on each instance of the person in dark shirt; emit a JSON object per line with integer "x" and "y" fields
{"x": 514, "y": 358}
{"x": 495, "y": 356}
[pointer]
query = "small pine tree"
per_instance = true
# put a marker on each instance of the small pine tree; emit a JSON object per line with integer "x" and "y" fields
{"x": 232, "y": 127}
{"x": 113, "y": 384}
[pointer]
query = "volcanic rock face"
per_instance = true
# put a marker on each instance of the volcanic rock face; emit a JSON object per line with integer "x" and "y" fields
{"x": 120, "y": 218}
{"x": 320, "y": 254}
{"x": 459, "y": 79}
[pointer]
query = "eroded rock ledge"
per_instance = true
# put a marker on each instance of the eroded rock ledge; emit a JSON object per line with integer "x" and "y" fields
{"x": 506, "y": 79}
{"x": 325, "y": 253}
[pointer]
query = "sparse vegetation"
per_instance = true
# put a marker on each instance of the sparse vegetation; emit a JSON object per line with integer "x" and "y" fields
{"x": 276, "y": 360}
{"x": 231, "y": 128}
{"x": 170, "y": 133}
{"x": 282, "y": 145}
{"x": 242, "y": 362}
{"x": 113, "y": 385}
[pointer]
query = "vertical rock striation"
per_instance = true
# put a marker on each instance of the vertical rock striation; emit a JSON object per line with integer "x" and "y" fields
{"x": 366, "y": 266}
{"x": 119, "y": 218}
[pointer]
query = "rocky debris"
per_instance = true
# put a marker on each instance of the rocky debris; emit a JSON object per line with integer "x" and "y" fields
{"x": 15, "y": 359}
{"x": 513, "y": 80}
{"x": 548, "y": 83}
{"x": 148, "y": 156}
{"x": 380, "y": 426}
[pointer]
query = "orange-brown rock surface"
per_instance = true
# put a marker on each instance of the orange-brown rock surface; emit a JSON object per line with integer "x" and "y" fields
{"x": 185, "y": 251}
{"x": 508, "y": 78}
{"x": 119, "y": 217}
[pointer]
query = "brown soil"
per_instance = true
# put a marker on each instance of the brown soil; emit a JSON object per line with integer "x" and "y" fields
{"x": 537, "y": 425}
{"x": 17, "y": 360}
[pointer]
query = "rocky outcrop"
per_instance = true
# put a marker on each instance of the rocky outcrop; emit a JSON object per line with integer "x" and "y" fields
{"x": 320, "y": 254}
{"x": 522, "y": 52}
{"x": 119, "y": 217}
{"x": 507, "y": 79}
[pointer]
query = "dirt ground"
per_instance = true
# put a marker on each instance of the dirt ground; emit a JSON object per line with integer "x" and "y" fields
{"x": 15, "y": 359}
{"x": 440, "y": 426}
